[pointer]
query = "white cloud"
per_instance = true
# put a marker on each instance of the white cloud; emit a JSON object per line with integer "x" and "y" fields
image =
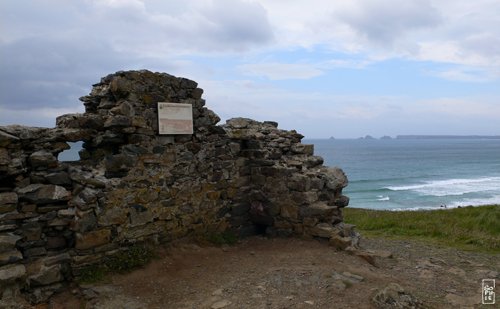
{"x": 281, "y": 71}
{"x": 200, "y": 27}
{"x": 382, "y": 22}
{"x": 460, "y": 32}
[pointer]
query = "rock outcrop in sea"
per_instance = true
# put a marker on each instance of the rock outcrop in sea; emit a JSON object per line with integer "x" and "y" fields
{"x": 133, "y": 185}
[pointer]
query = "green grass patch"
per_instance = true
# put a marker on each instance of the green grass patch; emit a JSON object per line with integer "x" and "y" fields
{"x": 224, "y": 238}
{"x": 469, "y": 228}
{"x": 92, "y": 274}
{"x": 125, "y": 261}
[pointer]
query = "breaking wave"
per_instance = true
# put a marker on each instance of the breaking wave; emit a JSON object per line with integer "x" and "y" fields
{"x": 383, "y": 198}
{"x": 447, "y": 187}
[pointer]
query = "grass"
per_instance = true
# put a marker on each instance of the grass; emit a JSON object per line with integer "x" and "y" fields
{"x": 224, "y": 238}
{"x": 468, "y": 228}
{"x": 125, "y": 261}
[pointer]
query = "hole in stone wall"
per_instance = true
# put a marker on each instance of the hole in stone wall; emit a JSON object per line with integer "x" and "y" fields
{"x": 7, "y": 183}
{"x": 72, "y": 153}
{"x": 260, "y": 229}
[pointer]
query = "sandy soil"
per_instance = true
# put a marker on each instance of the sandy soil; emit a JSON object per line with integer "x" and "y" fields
{"x": 291, "y": 273}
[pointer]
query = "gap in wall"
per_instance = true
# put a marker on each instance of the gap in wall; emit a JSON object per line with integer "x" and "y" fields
{"x": 71, "y": 155}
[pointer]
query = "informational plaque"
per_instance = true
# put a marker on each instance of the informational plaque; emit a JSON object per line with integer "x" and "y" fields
{"x": 175, "y": 118}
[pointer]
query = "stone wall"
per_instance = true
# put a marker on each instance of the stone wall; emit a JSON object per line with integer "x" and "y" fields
{"x": 133, "y": 185}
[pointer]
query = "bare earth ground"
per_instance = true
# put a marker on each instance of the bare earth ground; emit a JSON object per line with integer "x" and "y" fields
{"x": 291, "y": 273}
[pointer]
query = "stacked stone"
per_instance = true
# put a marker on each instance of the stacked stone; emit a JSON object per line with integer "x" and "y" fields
{"x": 133, "y": 185}
{"x": 290, "y": 190}
{"x": 136, "y": 186}
{"x": 35, "y": 218}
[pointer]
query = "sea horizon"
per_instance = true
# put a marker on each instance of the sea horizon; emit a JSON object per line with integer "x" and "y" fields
{"x": 416, "y": 174}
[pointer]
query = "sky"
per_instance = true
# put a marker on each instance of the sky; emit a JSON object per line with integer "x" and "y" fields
{"x": 342, "y": 68}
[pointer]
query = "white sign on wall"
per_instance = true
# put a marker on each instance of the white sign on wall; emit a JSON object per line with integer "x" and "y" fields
{"x": 175, "y": 118}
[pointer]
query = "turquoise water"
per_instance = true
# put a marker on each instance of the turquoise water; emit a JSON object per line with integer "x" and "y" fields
{"x": 416, "y": 174}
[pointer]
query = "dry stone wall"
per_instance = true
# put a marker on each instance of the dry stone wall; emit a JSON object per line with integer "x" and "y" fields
{"x": 133, "y": 185}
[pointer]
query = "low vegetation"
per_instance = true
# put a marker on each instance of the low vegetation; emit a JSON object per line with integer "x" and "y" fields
{"x": 127, "y": 260}
{"x": 468, "y": 228}
{"x": 224, "y": 238}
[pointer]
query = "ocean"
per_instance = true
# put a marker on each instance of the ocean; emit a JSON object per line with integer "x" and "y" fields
{"x": 411, "y": 174}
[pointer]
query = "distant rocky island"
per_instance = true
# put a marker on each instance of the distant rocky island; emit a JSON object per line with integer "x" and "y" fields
{"x": 369, "y": 137}
{"x": 387, "y": 137}
{"x": 448, "y": 137}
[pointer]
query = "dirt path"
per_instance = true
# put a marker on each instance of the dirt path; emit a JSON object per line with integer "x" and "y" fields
{"x": 293, "y": 273}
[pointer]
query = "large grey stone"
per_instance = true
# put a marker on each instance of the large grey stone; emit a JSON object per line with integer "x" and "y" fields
{"x": 117, "y": 121}
{"x": 44, "y": 194}
{"x": 32, "y": 231}
{"x": 86, "y": 221}
{"x": 340, "y": 242}
{"x": 335, "y": 178}
{"x": 319, "y": 209}
{"x": 59, "y": 178}
{"x": 7, "y": 138}
{"x": 395, "y": 297}
{"x": 112, "y": 216}
{"x": 8, "y": 198}
{"x": 42, "y": 159}
{"x": 11, "y": 273}
{"x": 341, "y": 201}
{"x": 323, "y": 230}
{"x": 141, "y": 217}
{"x": 10, "y": 257}
{"x": 92, "y": 239}
{"x": 313, "y": 161}
{"x": 8, "y": 242}
{"x": 299, "y": 182}
{"x": 4, "y": 156}
{"x": 46, "y": 275}
{"x": 80, "y": 121}
{"x": 299, "y": 148}
{"x": 119, "y": 165}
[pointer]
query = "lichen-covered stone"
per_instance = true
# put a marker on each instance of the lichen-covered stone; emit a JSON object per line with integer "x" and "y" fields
{"x": 112, "y": 216}
{"x": 92, "y": 239}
